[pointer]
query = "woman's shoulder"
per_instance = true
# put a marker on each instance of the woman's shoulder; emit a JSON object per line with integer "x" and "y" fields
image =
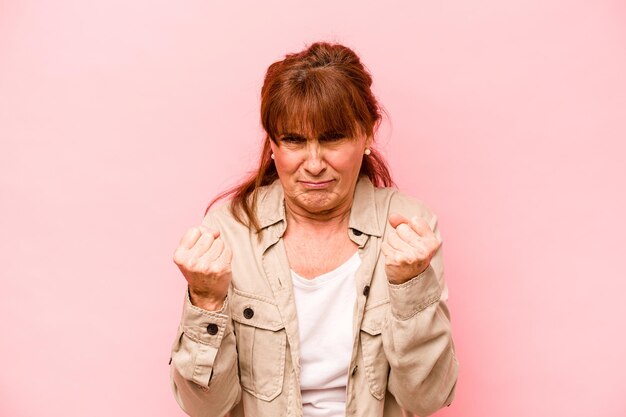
{"x": 222, "y": 212}
{"x": 396, "y": 201}
{"x": 218, "y": 213}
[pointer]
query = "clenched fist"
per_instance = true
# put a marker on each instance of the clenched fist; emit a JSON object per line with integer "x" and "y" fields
{"x": 409, "y": 248}
{"x": 205, "y": 261}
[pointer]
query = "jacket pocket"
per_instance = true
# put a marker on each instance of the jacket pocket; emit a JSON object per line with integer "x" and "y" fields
{"x": 261, "y": 344}
{"x": 374, "y": 359}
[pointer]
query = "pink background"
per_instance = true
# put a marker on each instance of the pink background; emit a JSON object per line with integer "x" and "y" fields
{"x": 119, "y": 120}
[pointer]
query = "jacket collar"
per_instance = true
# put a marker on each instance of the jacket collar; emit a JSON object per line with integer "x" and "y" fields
{"x": 364, "y": 211}
{"x": 271, "y": 210}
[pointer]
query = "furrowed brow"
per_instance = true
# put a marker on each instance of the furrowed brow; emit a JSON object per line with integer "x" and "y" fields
{"x": 292, "y": 135}
{"x": 331, "y": 135}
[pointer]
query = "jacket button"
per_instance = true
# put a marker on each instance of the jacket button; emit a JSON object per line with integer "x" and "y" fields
{"x": 366, "y": 290}
{"x": 212, "y": 329}
{"x": 357, "y": 232}
{"x": 248, "y": 313}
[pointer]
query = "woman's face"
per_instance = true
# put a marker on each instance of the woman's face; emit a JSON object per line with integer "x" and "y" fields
{"x": 319, "y": 174}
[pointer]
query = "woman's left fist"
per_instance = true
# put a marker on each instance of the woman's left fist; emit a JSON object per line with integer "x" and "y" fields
{"x": 408, "y": 248}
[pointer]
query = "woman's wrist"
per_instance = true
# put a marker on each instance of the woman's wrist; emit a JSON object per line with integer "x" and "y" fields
{"x": 205, "y": 303}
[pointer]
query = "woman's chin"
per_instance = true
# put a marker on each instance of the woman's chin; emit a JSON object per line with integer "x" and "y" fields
{"x": 317, "y": 202}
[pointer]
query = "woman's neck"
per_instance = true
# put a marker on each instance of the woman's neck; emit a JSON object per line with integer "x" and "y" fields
{"x": 326, "y": 223}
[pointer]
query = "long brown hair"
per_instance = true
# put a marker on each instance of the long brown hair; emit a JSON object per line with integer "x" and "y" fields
{"x": 323, "y": 88}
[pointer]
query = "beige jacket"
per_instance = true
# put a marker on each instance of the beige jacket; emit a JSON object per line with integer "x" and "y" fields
{"x": 245, "y": 359}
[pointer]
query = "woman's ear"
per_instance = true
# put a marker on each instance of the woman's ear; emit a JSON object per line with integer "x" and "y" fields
{"x": 273, "y": 145}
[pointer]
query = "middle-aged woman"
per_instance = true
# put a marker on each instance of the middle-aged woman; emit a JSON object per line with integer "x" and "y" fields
{"x": 317, "y": 289}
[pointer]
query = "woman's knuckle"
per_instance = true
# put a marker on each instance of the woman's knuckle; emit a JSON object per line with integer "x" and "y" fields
{"x": 214, "y": 269}
{"x": 177, "y": 258}
{"x": 194, "y": 265}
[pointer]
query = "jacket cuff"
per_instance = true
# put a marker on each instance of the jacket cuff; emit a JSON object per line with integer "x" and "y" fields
{"x": 409, "y": 298}
{"x": 204, "y": 326}
{"x": 201, "y": 333}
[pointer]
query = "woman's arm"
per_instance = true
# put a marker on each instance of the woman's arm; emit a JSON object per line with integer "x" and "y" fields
{"x": 204, "y": 372}
{"x": 204, "y": 368}
{"x": 417, "y": 340}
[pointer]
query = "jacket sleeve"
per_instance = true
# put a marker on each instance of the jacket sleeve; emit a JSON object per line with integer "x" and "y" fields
{"x": 417, "y": 340}
{"x": 204, "y": 370}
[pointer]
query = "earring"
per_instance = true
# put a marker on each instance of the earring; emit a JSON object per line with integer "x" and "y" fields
{"x": 272, "y": 156}
{"x": 367, "y": 151}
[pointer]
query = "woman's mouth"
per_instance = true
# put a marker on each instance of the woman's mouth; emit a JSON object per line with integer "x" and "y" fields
{"x": 316, "y": 184}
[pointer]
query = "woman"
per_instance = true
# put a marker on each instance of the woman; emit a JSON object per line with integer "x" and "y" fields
{"x": 318, "y": 290}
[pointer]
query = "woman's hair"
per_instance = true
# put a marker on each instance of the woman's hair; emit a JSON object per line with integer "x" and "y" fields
{"x": 324, "y": 88}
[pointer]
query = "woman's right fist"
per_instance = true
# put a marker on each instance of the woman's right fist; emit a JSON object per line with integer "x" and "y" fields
{"x": 205, "y": 260}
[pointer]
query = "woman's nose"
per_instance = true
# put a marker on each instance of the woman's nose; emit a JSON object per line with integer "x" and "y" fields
{"x": 314, "y": 163}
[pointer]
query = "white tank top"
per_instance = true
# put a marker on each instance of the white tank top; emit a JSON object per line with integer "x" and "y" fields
{"x": 325, "y": 308}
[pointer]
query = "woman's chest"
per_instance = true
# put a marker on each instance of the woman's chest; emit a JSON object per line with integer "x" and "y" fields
{"x": 310, "y": 257}
{"x": 271, "y": 341}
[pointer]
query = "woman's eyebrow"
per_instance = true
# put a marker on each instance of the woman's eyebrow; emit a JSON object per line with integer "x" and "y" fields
{"x": 331, "y": 135}
{"x": 292, "y": 135}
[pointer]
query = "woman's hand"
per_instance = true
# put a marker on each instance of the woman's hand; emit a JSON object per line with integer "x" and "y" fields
{"x": 205, "y": 261}
{"x": 409, "y": 248}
